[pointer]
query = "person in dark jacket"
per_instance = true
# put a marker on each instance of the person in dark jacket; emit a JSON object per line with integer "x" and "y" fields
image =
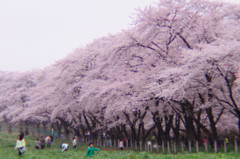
{"x": 42, "y": 142}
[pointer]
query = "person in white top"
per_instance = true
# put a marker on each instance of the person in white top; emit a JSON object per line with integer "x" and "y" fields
{"x": 74, "y": 142}
{"x": 64, "y": 147}
{"x": 37, "y": 144}
{"x": 48, "y": 140}
{"x": 20, "y": 144}
{"x": 121, "y": 145}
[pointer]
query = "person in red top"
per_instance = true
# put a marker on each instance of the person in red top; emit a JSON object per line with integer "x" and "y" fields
{"x": 125, "y": 141}
{"x": 205, "y": 141}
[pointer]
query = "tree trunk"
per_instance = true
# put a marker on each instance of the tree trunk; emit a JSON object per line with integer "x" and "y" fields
{"x": 38, "y": 129}
{"x": 10, "y": 129}
{"x": 212, "y": 123}
{"x": 67, "y": 132}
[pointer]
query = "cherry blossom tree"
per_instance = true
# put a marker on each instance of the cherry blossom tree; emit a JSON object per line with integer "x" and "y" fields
{"x": 175, "y": 72}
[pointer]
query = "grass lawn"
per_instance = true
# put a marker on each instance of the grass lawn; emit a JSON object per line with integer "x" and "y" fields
{"x": 7, "y": 144}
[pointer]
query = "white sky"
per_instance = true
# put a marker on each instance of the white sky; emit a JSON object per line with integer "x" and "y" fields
{"x": 36, "y": 33}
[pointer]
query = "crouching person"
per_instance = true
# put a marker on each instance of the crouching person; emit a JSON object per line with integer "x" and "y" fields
{"x": 64, "y": 147}
{"x": 20, "y": 144}
{"x": 90, "y": 150}
{"x": 37, "y": 144}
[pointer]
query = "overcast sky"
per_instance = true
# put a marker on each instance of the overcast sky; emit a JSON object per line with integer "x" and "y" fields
{"x": 36, "y": 33}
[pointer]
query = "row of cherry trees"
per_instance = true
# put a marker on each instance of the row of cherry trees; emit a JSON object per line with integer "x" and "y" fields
{"x": 175, "y": 73}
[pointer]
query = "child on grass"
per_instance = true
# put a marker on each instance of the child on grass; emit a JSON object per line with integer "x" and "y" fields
{"x": 121, "y": 145}
{"x": 48, "y": 140}
{"x": 64, "y": 147}
{"x": 74, "y": 143}
{"x": 20, "y": 144}
{"x": 90, "y": 150}
{"x": 37, "y": 144}
{"x": 42, "y": 142}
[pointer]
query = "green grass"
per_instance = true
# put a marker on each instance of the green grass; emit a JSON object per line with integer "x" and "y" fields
{"x": 7, "y": 144}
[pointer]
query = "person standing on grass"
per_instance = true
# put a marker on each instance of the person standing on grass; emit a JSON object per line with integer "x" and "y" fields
{"x": 74, "y": 143}
{"x": 48, "y": 140}
{"x": 21, "y": 144}
{"x": 90, "y": 150}
{"x": 205, "y": 141}
{"x": 42, "y": 142}
{"x": 121, "y": 145}
{"x": 125, "y": 142}
{"x": 153, "y": 139}
{"x": 226, "y": 140}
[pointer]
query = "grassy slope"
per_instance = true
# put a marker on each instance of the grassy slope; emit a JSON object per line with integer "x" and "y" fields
{"x": 7, "y": 143}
